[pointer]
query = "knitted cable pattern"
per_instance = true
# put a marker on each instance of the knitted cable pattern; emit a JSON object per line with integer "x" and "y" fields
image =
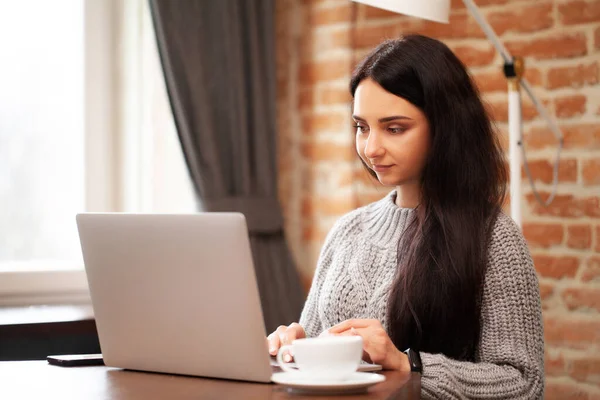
{"x": 353, "y": 279}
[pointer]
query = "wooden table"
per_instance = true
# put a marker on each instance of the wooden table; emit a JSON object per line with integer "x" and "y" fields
{"x": 38, "y": 380}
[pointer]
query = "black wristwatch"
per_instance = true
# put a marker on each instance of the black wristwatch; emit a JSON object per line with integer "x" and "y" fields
{"x": 414, "y": 358}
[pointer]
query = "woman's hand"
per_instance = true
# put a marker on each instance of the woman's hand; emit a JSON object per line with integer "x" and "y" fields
{"x": 376, "y": 342}
{"x": 284, "y": 335}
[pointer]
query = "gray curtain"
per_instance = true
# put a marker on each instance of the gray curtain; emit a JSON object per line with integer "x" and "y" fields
{"x": 219, "y": 65}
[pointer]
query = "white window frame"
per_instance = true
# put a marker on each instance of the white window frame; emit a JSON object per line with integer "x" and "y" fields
{"x": 56, "y": 283}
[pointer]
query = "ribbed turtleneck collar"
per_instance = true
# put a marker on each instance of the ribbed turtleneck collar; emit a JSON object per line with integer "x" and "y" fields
{"x": 385, "y": 221}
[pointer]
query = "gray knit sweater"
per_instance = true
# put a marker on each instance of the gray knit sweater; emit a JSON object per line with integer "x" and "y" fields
{"x": 353, "y": 278}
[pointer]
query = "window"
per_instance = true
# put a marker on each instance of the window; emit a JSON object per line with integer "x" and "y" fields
{"x": 85, "y": 125}
{"x": 155, "y": 174}
{"x": 41, "y": 131}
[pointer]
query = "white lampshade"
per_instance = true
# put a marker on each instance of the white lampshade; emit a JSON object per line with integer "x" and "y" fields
{"x": 434, "y": 10}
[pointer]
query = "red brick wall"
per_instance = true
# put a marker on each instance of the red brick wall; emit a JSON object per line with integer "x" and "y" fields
{"x": 319, "y": 42}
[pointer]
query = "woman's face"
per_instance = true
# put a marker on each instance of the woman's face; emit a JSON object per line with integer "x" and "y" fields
{"x": 392, "y": 135}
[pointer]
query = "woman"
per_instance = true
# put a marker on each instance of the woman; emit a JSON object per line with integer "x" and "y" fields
{"x": 435, "y": 267}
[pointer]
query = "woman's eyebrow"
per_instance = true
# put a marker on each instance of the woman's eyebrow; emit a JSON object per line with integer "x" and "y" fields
{"x": 382, "y": 120}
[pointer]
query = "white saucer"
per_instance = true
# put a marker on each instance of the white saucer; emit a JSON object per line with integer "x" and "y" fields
{"x": 358, "y": 382}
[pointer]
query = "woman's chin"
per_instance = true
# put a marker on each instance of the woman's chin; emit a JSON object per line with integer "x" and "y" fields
{"x": 387, "y": 182}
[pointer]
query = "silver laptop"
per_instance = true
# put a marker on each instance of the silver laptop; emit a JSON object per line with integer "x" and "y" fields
{"x": 176, "y": 294}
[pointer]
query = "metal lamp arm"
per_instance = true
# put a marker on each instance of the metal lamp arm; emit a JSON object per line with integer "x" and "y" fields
{"x": 522, "y": 82}
{"x": 508, "y": 58}
{"x": 540, "y": 108}
{"x": 488, "y": 30}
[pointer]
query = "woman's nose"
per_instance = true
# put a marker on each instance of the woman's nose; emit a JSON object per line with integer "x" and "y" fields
{"x": 373, "y": 146}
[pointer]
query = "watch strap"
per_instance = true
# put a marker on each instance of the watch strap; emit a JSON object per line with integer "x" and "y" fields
{"x": 414, "y": 358}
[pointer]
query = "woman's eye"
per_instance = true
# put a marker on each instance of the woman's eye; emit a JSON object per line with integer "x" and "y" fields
{"x": 361, "y": 128}
{"x": 395, "y": 130}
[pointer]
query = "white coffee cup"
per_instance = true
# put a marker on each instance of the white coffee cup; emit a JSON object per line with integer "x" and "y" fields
{"x": 324, "y": 358}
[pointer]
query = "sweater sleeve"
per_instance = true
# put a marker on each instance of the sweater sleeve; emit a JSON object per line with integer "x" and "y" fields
{"x": 510, "y": 356}
{"x": 309, "y": 319}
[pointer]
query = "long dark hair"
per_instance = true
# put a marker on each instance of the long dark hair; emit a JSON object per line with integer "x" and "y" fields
{"x": 435, "y": 301}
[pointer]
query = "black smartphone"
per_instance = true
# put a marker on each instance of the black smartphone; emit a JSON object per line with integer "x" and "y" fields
{"x": 76, "y": 360}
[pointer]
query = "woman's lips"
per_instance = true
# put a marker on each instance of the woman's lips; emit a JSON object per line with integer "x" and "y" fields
{"x": 382, "y": 168}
